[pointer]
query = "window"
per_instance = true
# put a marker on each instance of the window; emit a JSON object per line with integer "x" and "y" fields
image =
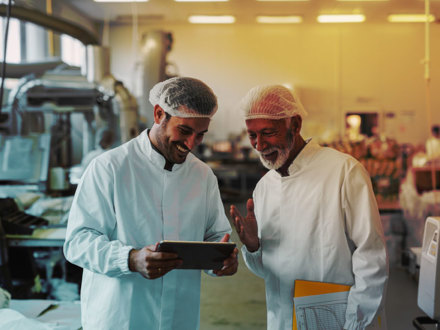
{"x": 13, "y": 53}
{"x": 72, "y": 51}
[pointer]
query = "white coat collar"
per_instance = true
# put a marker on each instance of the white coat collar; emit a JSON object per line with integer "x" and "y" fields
{"x": 301, "y": 160}
{"x": 303, "y": 157}
{"x": 155, "y": 157}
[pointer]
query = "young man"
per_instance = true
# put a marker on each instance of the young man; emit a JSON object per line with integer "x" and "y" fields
{"x": 313, "y": 216}
{"x": 149, "y": 189}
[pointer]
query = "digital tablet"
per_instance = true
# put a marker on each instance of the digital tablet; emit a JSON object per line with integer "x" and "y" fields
{"x": 199, "y": 255}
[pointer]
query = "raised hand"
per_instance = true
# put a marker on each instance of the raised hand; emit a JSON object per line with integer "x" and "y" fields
{"x": 247, "y": 228}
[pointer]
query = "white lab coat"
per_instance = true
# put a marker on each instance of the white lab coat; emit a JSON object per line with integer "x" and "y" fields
{"x": 127, "y": 200}
{"x": 320, "y": 223}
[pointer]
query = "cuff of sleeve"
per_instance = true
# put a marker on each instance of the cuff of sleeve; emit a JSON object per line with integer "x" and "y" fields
{"x": 353, "y": 325}
{"x": 353, "y": 318}
{"x": 256, "y": 253}
{"x": 122, "y": 261}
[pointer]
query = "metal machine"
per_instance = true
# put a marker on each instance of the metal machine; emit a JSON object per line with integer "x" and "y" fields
{"x": 428, "y": 298}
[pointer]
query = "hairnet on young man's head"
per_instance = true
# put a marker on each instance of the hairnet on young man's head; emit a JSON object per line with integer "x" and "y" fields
{"x": 271, "y": 102}
{"x": 184, "y": 97}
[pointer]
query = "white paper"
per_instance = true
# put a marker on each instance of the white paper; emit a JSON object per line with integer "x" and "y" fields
{"x": 321, "y": 312}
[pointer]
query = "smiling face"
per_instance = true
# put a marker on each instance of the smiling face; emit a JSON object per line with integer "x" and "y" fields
{"x": 175, "y": 137}
{"x": 273, "y": 139}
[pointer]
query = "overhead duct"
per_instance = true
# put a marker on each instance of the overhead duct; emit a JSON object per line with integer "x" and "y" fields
{"x": 154, "y": 49}
{"x": 52, "y": 23}
{"x": 97, "y": 63}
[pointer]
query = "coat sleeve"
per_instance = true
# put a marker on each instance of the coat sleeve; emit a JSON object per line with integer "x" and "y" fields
{"x": 369, "y": 258}
{"x": 217, "y": 224}
{"x": 91, "y": 224}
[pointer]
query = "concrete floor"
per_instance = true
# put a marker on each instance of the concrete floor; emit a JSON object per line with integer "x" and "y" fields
{"x": 238, "y": 302}
{"x": 235, "y": 302}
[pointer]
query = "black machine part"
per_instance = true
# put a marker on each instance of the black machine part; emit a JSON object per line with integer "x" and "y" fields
{"x": 17, "y": 222}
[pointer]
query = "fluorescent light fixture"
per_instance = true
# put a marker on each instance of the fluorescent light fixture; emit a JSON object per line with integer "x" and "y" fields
{"x": 413, "y": 18}
{"x": 279, "y": 19}
{"x": 205, "y": 19}
{"x": 120, "y": 0}
{"x": 341, "y": 18}
{"x": 201, "y": 0}
{"x": 363, "y": 0}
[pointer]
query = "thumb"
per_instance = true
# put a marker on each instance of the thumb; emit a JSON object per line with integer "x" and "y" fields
{"x": 250, "y": 206}
{"x": 225, "y": 238}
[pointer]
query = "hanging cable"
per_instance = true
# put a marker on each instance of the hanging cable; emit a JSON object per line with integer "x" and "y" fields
{"x": 5, "y": 43}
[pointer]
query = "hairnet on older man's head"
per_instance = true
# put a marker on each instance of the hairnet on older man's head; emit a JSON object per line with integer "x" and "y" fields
{"x": 184, "y": 97}
{"x": 271, "y": 102}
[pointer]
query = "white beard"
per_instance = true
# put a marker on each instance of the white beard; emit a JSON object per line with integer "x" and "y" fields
{"x": 283, "y": 154}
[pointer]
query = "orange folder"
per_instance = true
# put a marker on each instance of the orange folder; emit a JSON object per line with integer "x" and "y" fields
{"x": 311, "y": 288}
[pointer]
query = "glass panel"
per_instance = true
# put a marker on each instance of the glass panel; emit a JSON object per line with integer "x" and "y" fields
{"x": 72, "y": 51}
{"x": 14, "y": 49}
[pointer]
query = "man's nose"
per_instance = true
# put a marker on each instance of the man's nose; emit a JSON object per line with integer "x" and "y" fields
{"x": 191, "y": 142}
{"x": 260, "y": 144}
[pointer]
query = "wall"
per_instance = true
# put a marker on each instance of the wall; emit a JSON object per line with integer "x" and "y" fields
{"x": 335, "y": 69}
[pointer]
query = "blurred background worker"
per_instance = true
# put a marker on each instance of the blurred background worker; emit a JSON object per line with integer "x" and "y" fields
{"x": 147, "y": 190}
{"x": 433, "y": 143}
{"x": 313, "y": 216}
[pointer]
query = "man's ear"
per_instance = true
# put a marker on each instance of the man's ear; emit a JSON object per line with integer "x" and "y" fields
{"x": 296, "y": 124}
{"x": 159, "y": 114}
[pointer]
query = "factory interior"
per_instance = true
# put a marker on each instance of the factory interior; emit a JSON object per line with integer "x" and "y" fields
{"x": 74, "y": 70}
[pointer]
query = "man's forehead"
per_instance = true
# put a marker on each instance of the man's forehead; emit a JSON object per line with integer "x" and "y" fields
{"x": 264, "y": 123}
{"x": 196, "y": 124}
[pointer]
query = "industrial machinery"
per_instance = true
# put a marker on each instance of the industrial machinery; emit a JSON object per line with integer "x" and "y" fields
{"x": 428, "y": 298}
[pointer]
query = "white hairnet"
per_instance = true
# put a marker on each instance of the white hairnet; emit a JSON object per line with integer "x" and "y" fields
{"x": 271, "y": 102}
{"x": 184, "y": 97}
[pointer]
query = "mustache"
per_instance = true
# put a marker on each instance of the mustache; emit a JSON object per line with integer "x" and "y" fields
{"x": 268, "y": 150}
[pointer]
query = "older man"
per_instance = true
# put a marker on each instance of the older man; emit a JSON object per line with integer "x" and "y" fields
{"x": 149, "y": 189}
{"x": 313, "y": 216}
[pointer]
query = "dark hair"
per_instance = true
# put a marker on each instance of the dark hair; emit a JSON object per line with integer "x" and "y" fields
{"x": 107, "y": 139}
{"x": 435, "y": 129}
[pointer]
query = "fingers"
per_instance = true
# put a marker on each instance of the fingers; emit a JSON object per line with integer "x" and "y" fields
{"x": 236, "y": 218}
{"x": 250, "y": 207}
{"x": 234, "y": 212}
{"x": 230, "y": 265}
{"x": 225, "y": 238}
{"x": 159, "y": 269}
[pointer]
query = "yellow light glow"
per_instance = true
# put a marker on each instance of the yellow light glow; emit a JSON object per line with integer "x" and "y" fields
{"x": 120, "y": 0}
{"x": 203, "y": 19}
{"x": 201, "y": 0}
{"x": 279, "y": 19}
{"x": 363, "y": 0}
{"x": 414, "y": 18}
{"x": 283, "y": 0}
{"x": 341, "y": 18}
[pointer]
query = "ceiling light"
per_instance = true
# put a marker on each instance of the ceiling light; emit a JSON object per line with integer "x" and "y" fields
{"x": 341, "y": 18}
{"x": 414, "y": 18}
{"x": 363, "y": 0}
{"x": 201, "y": 0}
{"x": 120, "y": 0}
{"x": 283, "y": 0}
{"x": 279, "y": 19}
{"x": 204, "y": 19}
